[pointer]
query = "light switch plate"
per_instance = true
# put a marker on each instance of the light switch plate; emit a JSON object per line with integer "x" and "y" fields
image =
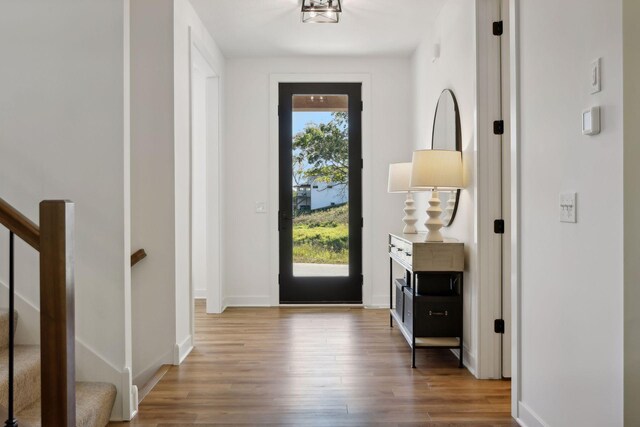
{"x": 591, "y": 121}
{"x": 568, "y": 207}
{"x": 261, "y": 207}
{"x": 596, "y": 77}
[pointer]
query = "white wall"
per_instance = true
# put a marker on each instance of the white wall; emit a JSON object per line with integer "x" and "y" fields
{"x": 631, "y": 212}
{"x": 162, "y": 32}
{"x": 152, "y": 192}
{"x": 63, "y": 121}
{"x": 572, "y": 280}
{"x": 247, "y": 165}
{"x": 455, "y": 69}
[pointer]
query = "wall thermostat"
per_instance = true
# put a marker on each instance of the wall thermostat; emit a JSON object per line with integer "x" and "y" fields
{"x": 591, "y": 121}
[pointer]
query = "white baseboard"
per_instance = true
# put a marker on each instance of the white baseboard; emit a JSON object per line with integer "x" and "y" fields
{"x": 246, "y": 302}
{"x": 469, "y": 360}
{"x": 129, "y": 400}
{"x": 528, "y": 418}
{"x": 320, "y": 305}
{"x": 134, "y": 401}
{"x": 379, "y": 301}
{"x": 182, "y": 350}
{"x": 200, "y": 293}
{"x": 143, "y": 376}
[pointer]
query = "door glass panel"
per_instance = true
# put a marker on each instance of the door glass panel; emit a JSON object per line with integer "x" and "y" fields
{"x": 320, "y": 208}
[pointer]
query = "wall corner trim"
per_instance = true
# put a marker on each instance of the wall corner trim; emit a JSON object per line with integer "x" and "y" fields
{"x": 182, "y": 350}
{"x": 528, "y": 418}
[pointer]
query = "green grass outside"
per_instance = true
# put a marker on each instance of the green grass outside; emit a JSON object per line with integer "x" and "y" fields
{"x": 322, "y": 237}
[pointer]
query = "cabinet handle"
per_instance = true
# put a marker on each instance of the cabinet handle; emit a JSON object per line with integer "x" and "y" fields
{"x": 438, "y": 313}
{"x": 400, "y": 250}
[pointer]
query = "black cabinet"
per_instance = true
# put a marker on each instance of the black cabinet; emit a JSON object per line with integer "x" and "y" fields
{"x": 429, "y": 300}
{"x": 435, "y": 316}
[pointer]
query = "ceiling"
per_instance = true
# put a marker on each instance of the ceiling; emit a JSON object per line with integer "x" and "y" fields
{"x": 246, "y": 28}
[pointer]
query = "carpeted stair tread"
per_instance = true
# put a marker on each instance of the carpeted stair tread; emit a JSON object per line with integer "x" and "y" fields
{"x": 94, "y": 401}
{"x": 26, "y": 378}
{"x": 4, "y": 327}
{"x": 93, "y": 406}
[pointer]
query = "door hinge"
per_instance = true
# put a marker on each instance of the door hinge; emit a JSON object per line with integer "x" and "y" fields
{"x": 498, "y": 226}
{"x": 361, "y": 163}
{"x": 362, "y": 279}
{"x": 498, "y": 326}
{"x": 361, "y": 105}
{"x": 498, "y": 127}
{"x": 278, "y": 278}
{"x": 279, "y": 110}
{"x": 361, "y": 222}
{"x": 498, "y": 28}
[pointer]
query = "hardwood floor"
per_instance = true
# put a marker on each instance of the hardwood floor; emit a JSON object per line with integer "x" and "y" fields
{"x": 325, "y": 367}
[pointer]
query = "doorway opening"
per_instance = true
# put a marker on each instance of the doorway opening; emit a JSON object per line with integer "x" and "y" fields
{"x": 204, "y": 185}
{"x": 320, "y": 193}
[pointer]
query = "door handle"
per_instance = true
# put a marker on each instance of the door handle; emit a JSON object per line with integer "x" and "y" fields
{"x": 438, "y": 313}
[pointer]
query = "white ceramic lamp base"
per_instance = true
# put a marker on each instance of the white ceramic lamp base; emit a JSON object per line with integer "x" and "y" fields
{"x": 410, "y": 219}
{"x": 434, "y": 223}
{"x": 448, "y": 210}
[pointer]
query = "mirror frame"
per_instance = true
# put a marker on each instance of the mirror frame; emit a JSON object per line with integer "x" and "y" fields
{"x": 458, "y": 141}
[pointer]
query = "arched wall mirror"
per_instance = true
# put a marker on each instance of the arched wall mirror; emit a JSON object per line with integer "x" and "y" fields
{"x": 446, "y": 135}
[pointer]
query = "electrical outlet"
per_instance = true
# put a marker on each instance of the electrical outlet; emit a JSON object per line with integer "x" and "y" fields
{"x": 568, "y": 207}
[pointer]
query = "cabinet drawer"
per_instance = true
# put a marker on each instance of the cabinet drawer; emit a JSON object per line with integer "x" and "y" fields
{"x": 438, "y": 257}
{"x": 438, "y": 284}
{"x": 439, "y": 317}
{"x": 435, "y": 316}
{"x": 401, "y": 249}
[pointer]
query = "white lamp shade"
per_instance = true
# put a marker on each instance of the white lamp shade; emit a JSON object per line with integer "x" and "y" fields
{"x": 436, "y": 169}
{"x": 399, "y": 177}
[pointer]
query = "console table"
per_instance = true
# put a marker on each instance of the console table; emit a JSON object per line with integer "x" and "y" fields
{"x": 429, "y": 301}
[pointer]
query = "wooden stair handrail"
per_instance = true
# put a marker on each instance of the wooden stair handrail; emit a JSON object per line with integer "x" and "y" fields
{"x": 138, "y": 256}
{"x": 19, "y": 224}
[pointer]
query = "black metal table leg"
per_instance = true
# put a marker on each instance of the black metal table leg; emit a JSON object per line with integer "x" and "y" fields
{"x": 390, "y": 291}
{"x": 413, "y": 323}
{"x": 461, "y": 278}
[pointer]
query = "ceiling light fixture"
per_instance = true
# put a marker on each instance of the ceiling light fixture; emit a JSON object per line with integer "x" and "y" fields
{"x": 321, "y": 11}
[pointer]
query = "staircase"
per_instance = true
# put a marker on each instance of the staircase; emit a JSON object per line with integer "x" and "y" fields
{"x": 37, "y": 383}
{"x": 94, "y": 401}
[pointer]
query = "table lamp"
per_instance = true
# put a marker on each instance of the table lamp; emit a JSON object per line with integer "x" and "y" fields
{"x": 399, "y": 177}
{"x": 434, "y": 170}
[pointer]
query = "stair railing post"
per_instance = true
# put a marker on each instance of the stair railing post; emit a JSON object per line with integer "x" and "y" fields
{"x": 11, "y": 420}
{"x": 57, "y": 328}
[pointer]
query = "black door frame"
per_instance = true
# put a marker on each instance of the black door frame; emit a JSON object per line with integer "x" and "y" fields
{"x": 319, "y": 290}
